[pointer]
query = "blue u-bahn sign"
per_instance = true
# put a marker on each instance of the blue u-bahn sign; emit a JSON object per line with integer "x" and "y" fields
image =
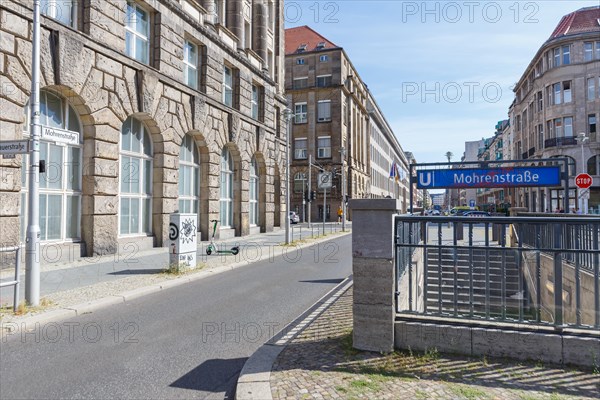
{"x": 488, "y": 177}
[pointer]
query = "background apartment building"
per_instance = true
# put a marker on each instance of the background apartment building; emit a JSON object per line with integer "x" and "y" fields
{"x": 173, "y": 106}
{"x": 334, "y": 119}
{"x": 556, "y": 99}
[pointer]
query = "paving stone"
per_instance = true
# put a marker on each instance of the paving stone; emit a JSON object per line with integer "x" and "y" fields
{"x": 320, "y": 364}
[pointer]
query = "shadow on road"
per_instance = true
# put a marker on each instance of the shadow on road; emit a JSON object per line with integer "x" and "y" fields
{"x": 213, "y": 376}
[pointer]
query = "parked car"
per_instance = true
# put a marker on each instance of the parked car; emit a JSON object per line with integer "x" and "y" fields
{"x": 434, "y": 212}
{"x": 294, "y": 218}
{"x": 476, "y": 214}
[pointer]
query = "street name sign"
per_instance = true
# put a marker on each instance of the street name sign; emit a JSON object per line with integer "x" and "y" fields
{"x": 583, "y": 181}
{"x": 488, "y": 177}
{"x": 59, "y": 135}
{"x": 9, "y": 148}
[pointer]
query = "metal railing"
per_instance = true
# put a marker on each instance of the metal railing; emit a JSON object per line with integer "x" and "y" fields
{"x": 16, "y": 281}
{"x": 525, "y": 270}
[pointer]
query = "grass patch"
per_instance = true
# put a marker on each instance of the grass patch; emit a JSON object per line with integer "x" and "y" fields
{"x": 361, "y": 385}
{"x": 177, "y": 271}
{"x": 346, "y": 342}
{"x": 468, "y": 392}
{"x": 421, "y": 395}
{"x": 23, "y": 308}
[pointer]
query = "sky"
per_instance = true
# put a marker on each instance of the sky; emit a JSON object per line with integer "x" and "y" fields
{"x": 442, "y": 72}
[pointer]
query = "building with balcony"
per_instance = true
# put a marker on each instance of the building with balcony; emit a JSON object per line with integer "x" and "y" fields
{"x": 557, "y": 99}
{"x": 336, "y": 126}
{"x": 169, "y": 106}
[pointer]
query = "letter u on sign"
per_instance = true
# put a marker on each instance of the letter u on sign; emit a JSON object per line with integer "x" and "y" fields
{"x": 425, "y": 178}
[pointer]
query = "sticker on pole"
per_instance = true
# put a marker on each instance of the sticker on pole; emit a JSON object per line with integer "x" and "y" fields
{"x": 583, "y": 181}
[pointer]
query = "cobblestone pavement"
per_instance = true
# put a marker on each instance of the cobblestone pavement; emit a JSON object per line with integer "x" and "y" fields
{"x": 321, "y": 364}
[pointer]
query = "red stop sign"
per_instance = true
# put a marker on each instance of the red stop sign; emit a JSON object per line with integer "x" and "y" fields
{"x": 583, "y": 181}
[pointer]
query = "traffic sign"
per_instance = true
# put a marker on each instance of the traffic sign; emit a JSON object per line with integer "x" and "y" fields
{"x": 583, "y": 181}
{"x": 325, "y": 180}
{"x": 8, "y": 148}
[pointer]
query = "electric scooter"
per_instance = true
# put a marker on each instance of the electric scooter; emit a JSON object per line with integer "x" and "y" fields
{"x": 212, "y": 247}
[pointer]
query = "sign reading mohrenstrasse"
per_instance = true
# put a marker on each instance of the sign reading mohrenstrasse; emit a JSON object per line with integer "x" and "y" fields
{"x": 488, "y": 177}
{"x": 59, "y": 135}
{"x": 14, "y": 147}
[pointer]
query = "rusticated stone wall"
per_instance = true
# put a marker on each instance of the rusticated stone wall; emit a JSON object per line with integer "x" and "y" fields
{"x": 87, "y": 66}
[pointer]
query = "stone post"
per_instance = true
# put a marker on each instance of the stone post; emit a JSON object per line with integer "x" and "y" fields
{"x": 374, "y": 275}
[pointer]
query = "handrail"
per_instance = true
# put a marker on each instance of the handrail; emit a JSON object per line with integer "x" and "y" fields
{"x": 16, "y": 281}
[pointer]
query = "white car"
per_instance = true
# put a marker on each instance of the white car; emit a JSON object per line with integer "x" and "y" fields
{"x": 294, "y": 218}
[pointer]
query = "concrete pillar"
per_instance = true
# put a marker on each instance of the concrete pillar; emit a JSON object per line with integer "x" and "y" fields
{"x": 260, "y": 24}
{"x": 235, "y": 20}
{"x": 211, "y": 8}
{"x": 374, "y": 275}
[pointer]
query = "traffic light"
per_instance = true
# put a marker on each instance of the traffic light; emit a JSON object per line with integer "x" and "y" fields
{"x": 313, "y": 195}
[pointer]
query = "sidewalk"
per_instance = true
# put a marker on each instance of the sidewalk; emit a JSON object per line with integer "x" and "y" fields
{"x": 320, "y": 363}
{"x": 90, "y": 283}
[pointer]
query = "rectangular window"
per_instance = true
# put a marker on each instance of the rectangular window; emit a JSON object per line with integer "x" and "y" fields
{"x": 592, "y": 123}
{"x": 324, "y": 147}
{"x": 300, "y": 83}
{"x": 324, "y": 111}
{"x": 540, "y": 101}
{"x": 137, "y": 33}
{"x": 300, "y": 149}
{"x": 591, "y": 88}
{"x": 190, "y": 64}
{"x": 254, "y": 102}
{"x": 324, "y": 58}
{"x": 551, "y": 134}
{"x": 558, "y": 127}
{"x": 556, "y": 90}
{"x": 541, "y": 136}
{"x": 568, "y": 126}
{"x": 300, "y": 61}
{"x": 228, "y": 86}
{"x": 324, "y": 81}
{"x": 63, "y": 11}
{"x": 567, "y": 91}
{"x": 566, "y": 55}
{"x": 588, "y": 51}
{"x": 597, "y": 50}
{"x": 556, "y": 58}
{"x": 300, "y": 112}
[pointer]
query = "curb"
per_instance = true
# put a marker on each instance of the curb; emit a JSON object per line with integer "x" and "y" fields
{"x": 254, "y": 382}
{"x": 9, "y": 328}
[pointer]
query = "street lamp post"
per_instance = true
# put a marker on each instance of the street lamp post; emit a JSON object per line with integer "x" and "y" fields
{"x": 32, "y": 240}
{"x": 343, "y": 154}
{"x": 449, "y": 156}
{"x": 289, "y": 115}
{"x": 581, "y": 138}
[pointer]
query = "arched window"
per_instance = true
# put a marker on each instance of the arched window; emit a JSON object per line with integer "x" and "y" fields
{"x": 253, "y": 217}
{"x": 189, "y": 176}
{"x": 226, "y": 200}
{"x": 60, "y": 185}
{"x": 299, "y": 182}
{"x": 592, "y": 165}
{"x": 135, "y": 179}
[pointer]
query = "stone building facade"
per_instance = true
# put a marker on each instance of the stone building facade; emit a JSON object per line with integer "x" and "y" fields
{"x": 174, "y": 106}
{"x": 332, "y": 109}
{"x": 556, "y": 99}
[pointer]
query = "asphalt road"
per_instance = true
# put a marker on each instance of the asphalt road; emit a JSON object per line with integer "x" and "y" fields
{"x": 186, "y": 342}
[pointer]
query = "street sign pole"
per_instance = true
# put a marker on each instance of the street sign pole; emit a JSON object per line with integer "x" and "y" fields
{"x": 32, "y": 246}
{"x": 343, "y": 151}
{"x": 324, "y": 208}
{"x": 309, "y": 186}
